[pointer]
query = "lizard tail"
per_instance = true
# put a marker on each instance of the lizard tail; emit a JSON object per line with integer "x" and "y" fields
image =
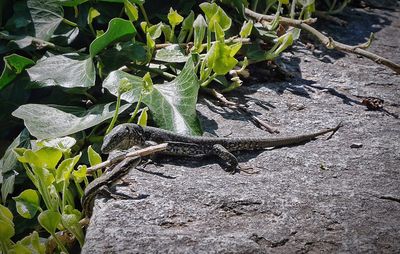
{"x": 334, "y": 130}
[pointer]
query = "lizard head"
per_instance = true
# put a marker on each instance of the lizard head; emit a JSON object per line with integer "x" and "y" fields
{"x": 123, "y": 137}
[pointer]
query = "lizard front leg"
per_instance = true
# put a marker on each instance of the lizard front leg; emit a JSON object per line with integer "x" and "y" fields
{"x": 227, "y": 157}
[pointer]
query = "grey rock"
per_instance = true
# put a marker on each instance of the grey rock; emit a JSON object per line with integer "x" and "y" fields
{"x": 320, "y": 197}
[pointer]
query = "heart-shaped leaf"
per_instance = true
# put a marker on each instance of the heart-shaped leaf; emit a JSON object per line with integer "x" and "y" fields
{"x": 118, "y": 29}
{"x": 94, "y": 157}
{"x": 220, "y": 58}
{"x": 67, "y": 70}
{"x": 14, "y": 65}
{"x": 44, "y": 121}
{"x": 49, "y": 220}
{"x": 173, "y": 104}
{"x": 46, "y": 16}
{"x": 27, "y": 203}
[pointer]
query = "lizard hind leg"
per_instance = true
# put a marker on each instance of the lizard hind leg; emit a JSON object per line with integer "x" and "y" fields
{"x": 227, "y": 157}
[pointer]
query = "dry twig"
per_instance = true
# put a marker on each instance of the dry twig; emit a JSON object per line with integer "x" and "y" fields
{"x": 260, "y": 123}
{"x": 327, "y": 41}
{"x": 142, "y": 152}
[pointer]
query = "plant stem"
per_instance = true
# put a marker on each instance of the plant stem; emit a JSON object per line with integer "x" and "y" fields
{"x": 69, "y": 22}
{"x": 59, "y": 243}
{"x": 91, "y": 97}
{"x": 136, "y": 108}
{"x": 4, "y": 248}
{"x": 208, "y": 81}
{"x": 114, "y": 119}
{"x": 144, "y": 13}
{"x": 208, "y": 39}
{"x": 37, "y": 43}
{"x": 162, "y": 73}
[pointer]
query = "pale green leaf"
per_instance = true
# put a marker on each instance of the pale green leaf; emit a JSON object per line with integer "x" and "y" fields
{"x": 27, "y": 203}
{"x": 46, "y": 16}
{"x": 172, "y": 105}
{"x": 44, "y": 121}
{"x": 174, "y": 18}
{"x": 67, "y": 70}
{"x": 94, "y": 157}
{"x": 171, "y": 54}
{"x": 49, "y": 220}
{"x": 14, "y": 65}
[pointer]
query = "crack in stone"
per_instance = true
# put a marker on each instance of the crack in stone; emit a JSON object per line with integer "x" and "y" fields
{"x": 390, "y": 198}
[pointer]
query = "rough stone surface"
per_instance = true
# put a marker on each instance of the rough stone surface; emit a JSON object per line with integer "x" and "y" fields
{"x": 323, "y": 196}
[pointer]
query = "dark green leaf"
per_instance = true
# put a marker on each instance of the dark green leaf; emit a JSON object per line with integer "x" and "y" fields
{"x": 46, "y": 16}
{"x": 118, "y": 29}
{"x": 14, "y": 65}
{"x": 72, "y": 3}
{"x": 45, "y": 122}
{"x": 9, "y": 164}
{"x": 67, "y": 70}
{"x": 121, "y": 54}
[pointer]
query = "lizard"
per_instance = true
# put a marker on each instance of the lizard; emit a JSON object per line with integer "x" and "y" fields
{"x": 127, "y": 135}
{"x": 101, "y": 183}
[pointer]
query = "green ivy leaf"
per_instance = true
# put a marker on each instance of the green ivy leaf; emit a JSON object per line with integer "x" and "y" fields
{"x": 27, "y": 203}
{"x": 44, "y": 121}
{"x": 63, "y": 144}
{"x": 9, "y": 164}
{"x": 122, "y": 54}
{"x": 171, "y": 54}
{"x": 199, "y": 27}
{"x": 65, "y": 168}
{"x": 14, "y": 65}
{"x": 131, "y": 10}
{"x": 46, "y": 16}
{"x": 49, "y": 157}
{"x": 155, "y": 30}
{"x": 172, "y": 104}
{"x": 216, "y": 15}
{"x": 49, "y": 220}
{"x": 32, "y": 244}
{"x": 220, "y": 58}
{"x": 68, "y": 70}
{"x": 80, "y": 174}
{"x": 118, "y": 29}
{"x": 94, "y": 157}
{"x": 174, "y": 18}
{"x": 6, "y": 230}
{"x": 142, "y": 120}
{"x": 72, "y": 3}
{"x": 5, "y": 214}
{"x": 70, "y": 219}
{"x": 6, "y": 225}
{"x": 187, "y": 26}
{"x": 245, "y": 31}
{"x": 92, "y": 13}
